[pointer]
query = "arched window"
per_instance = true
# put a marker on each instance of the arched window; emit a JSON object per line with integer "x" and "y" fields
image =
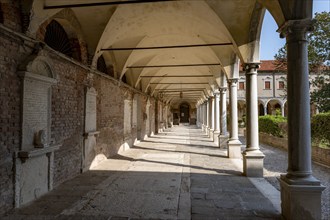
{"x": 57, "y": 38}
{"x": 101, "y": 66}
{"x": 1, "y": 15}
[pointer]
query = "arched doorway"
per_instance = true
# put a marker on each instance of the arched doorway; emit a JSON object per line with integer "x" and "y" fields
{"x": 184, "y": 113}
{"x": 261, "y": 109}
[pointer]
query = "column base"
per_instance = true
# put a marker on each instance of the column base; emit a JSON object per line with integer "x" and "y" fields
{"x": 253, "y": 163}
{"x": 223, "y": 140}
{"x": 211, "y": 133}
{"x": 300, "y": 201}
{"x": 216, "y": 137}
{"x": 234, "y": 149}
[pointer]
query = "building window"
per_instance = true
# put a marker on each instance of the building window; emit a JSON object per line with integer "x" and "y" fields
{"x": 267, "y": 84}
{"x": 281, "y": 85}
{"x": 57, "y": 38}
{"x": 1, "y": 15}
{"x": 241, "y": 86}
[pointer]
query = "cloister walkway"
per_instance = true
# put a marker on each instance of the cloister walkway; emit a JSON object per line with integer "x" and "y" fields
{"x": 177, "y": 174}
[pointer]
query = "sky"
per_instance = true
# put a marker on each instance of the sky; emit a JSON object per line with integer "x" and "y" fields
{"x": 270, "y": 40}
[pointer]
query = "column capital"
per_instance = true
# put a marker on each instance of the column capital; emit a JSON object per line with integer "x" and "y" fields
{"x": 216, "y": 92}
{"x": 251, "y": 68}
{"x": 296, "y": 29}
{"x": 232, "y": 80}
{"x": 223, "y": 89}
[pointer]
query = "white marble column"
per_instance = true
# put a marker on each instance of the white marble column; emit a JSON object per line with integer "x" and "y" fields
{"x": 212, "y": 116}
{"x": 216, "y": 131}
{"x": 300, "y": 191}
{"x": 282, "y": 109}
{"x": 234, "y": 145}
{"x": 217, "y": 112}
{"x": 223, "y": 111}
{"x": 265, "y": 109}
{"x": 223, "y": 136}
{"x": 197, "y": 116}
{"x": 252, "y": 157}
{"x": 208, "y": 116}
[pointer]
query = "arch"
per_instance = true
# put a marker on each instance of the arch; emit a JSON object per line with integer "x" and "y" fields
{"x": 1, "y": 14}
{"x": 274, "y": 107}
{"x": 261, "y": 109}
{"x": 69, "y": 23}
{"x": 57, "y": 38}
{"x": 184, "y": 112}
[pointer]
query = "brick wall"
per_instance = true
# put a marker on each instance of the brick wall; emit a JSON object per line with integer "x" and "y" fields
{"x": 319, "y": 155}
{"x": 67, "y": 117}
{"x": 11, "y": 14}
{"x": 10, "y": 117}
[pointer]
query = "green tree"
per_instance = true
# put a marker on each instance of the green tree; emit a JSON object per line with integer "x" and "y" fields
{"x": 318, "y": 58}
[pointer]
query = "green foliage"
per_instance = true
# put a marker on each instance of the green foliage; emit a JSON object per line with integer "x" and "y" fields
{"x": 321, "y": 129}
{"x": 270, "y": 124}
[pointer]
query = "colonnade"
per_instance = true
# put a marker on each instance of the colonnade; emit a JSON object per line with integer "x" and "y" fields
{"x": 299, "y": 189}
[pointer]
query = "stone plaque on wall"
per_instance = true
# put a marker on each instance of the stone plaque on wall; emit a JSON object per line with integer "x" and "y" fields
{"x": 90, "y": 116}
{"x": 36, "y": 110}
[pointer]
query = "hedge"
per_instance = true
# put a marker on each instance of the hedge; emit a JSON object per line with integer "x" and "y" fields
{"x": 321, "y": 128}
{"x": 270, "y": 124}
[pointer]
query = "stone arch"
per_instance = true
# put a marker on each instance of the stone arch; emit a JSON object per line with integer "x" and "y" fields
{"x": 1, "y": 14}
{"x": 273, "y": 105}
{"x": 184, "y": 112}
{"x": 39, "y": 65}
{"x": 104, "y": 66}
{"x": 66, "y": 18}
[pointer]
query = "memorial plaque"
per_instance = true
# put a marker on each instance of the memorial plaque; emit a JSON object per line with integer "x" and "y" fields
{"x": 90, "y": 115}
{"x": 36, "y": 111}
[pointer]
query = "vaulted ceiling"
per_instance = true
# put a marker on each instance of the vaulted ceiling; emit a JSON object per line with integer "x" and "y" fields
{"x": 166, "y": 46}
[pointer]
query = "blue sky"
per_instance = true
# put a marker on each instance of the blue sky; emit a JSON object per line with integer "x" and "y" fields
{"x": 270, "y": 40}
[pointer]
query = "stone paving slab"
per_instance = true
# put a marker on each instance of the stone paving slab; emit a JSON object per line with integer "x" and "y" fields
{"x": 178, "y": 174}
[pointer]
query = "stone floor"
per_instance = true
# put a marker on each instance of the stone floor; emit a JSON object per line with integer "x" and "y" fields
{"x": 178, "y": 174}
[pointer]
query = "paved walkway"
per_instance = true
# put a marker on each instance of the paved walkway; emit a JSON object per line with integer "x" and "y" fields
{"x": 276, "y": 163}
{"x": 178, "y": 174}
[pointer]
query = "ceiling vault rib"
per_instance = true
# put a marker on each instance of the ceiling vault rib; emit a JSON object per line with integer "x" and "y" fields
{"x": 166, "y": 47}
{"x": 175, "y": 65}
{"x": 183, "y": 89}
{"x": 178, "y": 83}
{"x": 104, "y": 4}
{"x": 180, "y": 76}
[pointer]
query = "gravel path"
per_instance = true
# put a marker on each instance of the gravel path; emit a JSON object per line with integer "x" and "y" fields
{"x": 275, "y": 163}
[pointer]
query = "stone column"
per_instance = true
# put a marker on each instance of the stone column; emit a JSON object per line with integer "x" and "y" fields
{"x": 223, "y": 117}
{"x": 265, "y": 109}
{"x": 234, "y": 145}
{"x": 252, "y": 157}
{"x": 208, "y": 116}
{"x": 212, "y": 116}
{"x": 197, "y": 116}
{"x": 300, "y": 191}
{"x": 205, "y": 116}
{"x": 216, "y": 117}
{"x": 282, "y": 109}
{"x": 206, "y": 108}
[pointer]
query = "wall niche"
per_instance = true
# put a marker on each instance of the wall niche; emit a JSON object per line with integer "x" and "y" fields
{"x": 35, "y": 158}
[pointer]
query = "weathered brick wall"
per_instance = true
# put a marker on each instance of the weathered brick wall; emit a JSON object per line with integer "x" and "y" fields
{"x": 10, "y": 117}
{"x": 67, "y": 117}
{"x": 110, "y": 117}
{"x": 11, "y": 14}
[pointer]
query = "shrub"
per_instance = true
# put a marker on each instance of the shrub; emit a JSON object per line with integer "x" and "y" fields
{"x": 270, "y": 124}
{"x": 321, "y": 128}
